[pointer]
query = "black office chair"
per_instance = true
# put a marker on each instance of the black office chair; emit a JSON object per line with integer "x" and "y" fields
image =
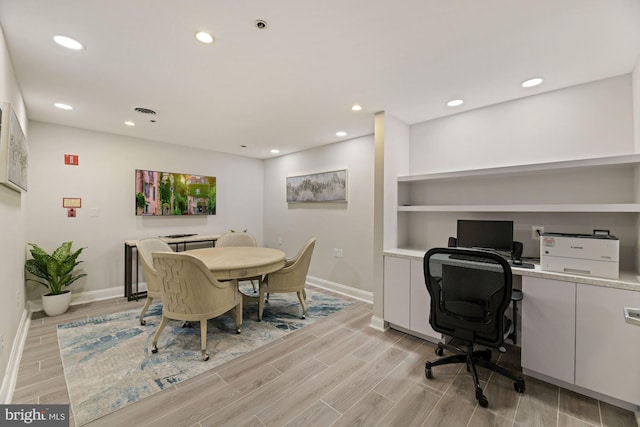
{"x": 470, "y": 291}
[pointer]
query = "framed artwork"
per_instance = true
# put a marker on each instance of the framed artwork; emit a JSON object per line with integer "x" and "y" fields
{"x": 14, "y": 158}
{"x": 320, "y": 187}
{"x": 160, "y": 193}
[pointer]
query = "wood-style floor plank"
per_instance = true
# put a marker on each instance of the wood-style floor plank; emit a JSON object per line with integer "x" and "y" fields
{"x": 335, "y": 372}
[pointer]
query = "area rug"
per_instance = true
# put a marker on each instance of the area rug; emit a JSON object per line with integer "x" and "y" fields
{"x": 108, "y": 362}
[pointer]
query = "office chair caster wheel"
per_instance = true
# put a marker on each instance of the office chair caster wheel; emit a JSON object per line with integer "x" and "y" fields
{"x": 428, "y": 373}
{"x": 482, "y": 399}
{"x": 439, "y": 351}
{"x": 519, "y": 386}
{"x": 238, "y": 330}
{"x": 483, "y": 402}
{"x": 142, "y": 322}
{"x": 154, "y": 349}
{"x": 205, "y": 356}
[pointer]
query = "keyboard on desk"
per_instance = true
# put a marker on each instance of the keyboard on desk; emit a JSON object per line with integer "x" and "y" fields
{"x": 474, "y": 258}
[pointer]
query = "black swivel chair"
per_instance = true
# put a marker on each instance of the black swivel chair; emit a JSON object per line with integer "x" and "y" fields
{"x": 470, "y": 291}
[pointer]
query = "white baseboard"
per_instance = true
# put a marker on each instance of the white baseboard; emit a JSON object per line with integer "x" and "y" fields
{"x": 11, "y": 373}
{"x": 87, "y": 296}
{"x": 378, "y": 324}
{"x": 341, "y": 289}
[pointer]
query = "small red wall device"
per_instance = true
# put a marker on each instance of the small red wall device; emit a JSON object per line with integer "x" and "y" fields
{"x": 71, "y": 159}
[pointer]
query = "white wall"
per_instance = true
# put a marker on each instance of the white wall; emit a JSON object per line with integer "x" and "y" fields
{"x": 104, "y": 180}
{"x": 12, "y": 254}
{"x": 635, "y": 77}
{"x": 589, "y": 120}
{"x": 347, "y": 226}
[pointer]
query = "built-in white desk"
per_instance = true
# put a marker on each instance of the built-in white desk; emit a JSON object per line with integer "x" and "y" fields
{"x": 573, "y": 333}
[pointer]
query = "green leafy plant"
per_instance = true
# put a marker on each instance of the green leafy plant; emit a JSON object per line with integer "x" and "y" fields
{"x": 56, "y": 269}
{"x": 140, "y": 201}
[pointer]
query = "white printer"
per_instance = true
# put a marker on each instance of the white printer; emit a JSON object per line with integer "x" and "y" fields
{"x": 585, "y": 254}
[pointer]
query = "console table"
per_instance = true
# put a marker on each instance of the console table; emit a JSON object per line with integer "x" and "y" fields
{"x": 130, "y": 245}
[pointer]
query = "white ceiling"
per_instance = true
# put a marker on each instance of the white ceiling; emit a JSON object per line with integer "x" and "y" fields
{"x": 291, "y": 85}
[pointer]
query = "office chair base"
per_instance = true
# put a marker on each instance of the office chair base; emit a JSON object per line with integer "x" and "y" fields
{"x": 472, "y": 359}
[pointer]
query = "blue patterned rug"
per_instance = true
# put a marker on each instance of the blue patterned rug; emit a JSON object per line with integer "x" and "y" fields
{"x": 108, "y": 362}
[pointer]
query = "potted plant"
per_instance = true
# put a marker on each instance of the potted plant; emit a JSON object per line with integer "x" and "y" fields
{"x": 57, "y": 272}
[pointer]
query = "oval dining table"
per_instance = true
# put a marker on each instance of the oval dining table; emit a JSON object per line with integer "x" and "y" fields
{"x": 239, "y": 262}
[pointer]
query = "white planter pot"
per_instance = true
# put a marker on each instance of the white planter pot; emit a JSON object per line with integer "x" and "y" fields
{"x": 55, "y": 305}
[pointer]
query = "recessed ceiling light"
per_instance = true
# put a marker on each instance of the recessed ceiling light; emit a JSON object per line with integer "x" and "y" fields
{"x": 274, "y": 151}
{"x": 341, "y": 133}
{"x": 204, "y": 37}
{"x": 532, "y": 82}
{"x": 356, "y": 107}
{"x": 68, "y": 42}
{"x": 63, "y": 106}
{"x": 261, "y": 24}
{"x": 129, "y": 123}
{"x": 455, "y": 102}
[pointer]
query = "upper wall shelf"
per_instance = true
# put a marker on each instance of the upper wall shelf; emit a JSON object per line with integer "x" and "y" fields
{"x": 530, "y": 169}
{"x": 612, "y": 207}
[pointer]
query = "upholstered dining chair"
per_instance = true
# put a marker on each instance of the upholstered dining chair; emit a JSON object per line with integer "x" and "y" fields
{"x": 240, "y": 239}
{"x": 145, "y": 248}
{"x": 191, "y": 293}
{"x": 291, "y": 278}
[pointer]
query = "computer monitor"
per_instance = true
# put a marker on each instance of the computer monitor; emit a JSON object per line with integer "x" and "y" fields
{"x": 496, "y": 235}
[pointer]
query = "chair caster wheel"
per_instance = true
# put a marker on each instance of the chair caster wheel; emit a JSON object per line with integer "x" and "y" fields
{"x": 483, "y": 402}
{"x": 205, "y": 357}
{"x": 439, "y": 351}
{"x": 428, "y": 373}
{"x": 304, "y": 316}
{"x": 143, "y": 322}
{"x": 238, "y": 330}
{"x": 519, "y": 386}
{"x": 154, "y": 349}
{"x": 482, "y": 399}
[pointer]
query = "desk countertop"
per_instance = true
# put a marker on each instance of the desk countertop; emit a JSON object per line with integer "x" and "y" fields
{"x": 627, "y": 280}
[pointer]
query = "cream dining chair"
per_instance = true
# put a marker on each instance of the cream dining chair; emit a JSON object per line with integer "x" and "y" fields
{"x": 240, "y": 239}
{"x": 191, "y": 293}
{"x": 291, "y": 278}
{"x": 145, "y": 248}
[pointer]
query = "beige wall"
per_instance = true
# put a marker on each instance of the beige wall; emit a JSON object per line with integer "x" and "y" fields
{"x": 104, "y": 180}
{"x": 12, "y": 231}
{"x": 347, "y": 226}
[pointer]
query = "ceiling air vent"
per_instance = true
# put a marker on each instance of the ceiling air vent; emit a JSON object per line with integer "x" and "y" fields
{"x": 144, "y": 110}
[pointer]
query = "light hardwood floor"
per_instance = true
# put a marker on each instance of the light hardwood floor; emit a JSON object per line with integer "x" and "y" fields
{"x": 336, "y": 372}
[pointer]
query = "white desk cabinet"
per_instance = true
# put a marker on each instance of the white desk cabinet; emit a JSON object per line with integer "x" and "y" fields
{"x": 607, "y": 348}
{"x": 406, "y": 300}
{"x": 420, "y": 303}
{"x": 548, "y": 327}
{"x": 397, "y": 279}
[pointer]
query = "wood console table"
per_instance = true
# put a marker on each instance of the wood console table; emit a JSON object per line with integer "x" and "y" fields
{"x": 130, "y": 245}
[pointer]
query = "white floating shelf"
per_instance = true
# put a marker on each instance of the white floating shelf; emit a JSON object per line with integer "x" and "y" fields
{"x": 530, "y": 169}
{"x": 613, "y": 207}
